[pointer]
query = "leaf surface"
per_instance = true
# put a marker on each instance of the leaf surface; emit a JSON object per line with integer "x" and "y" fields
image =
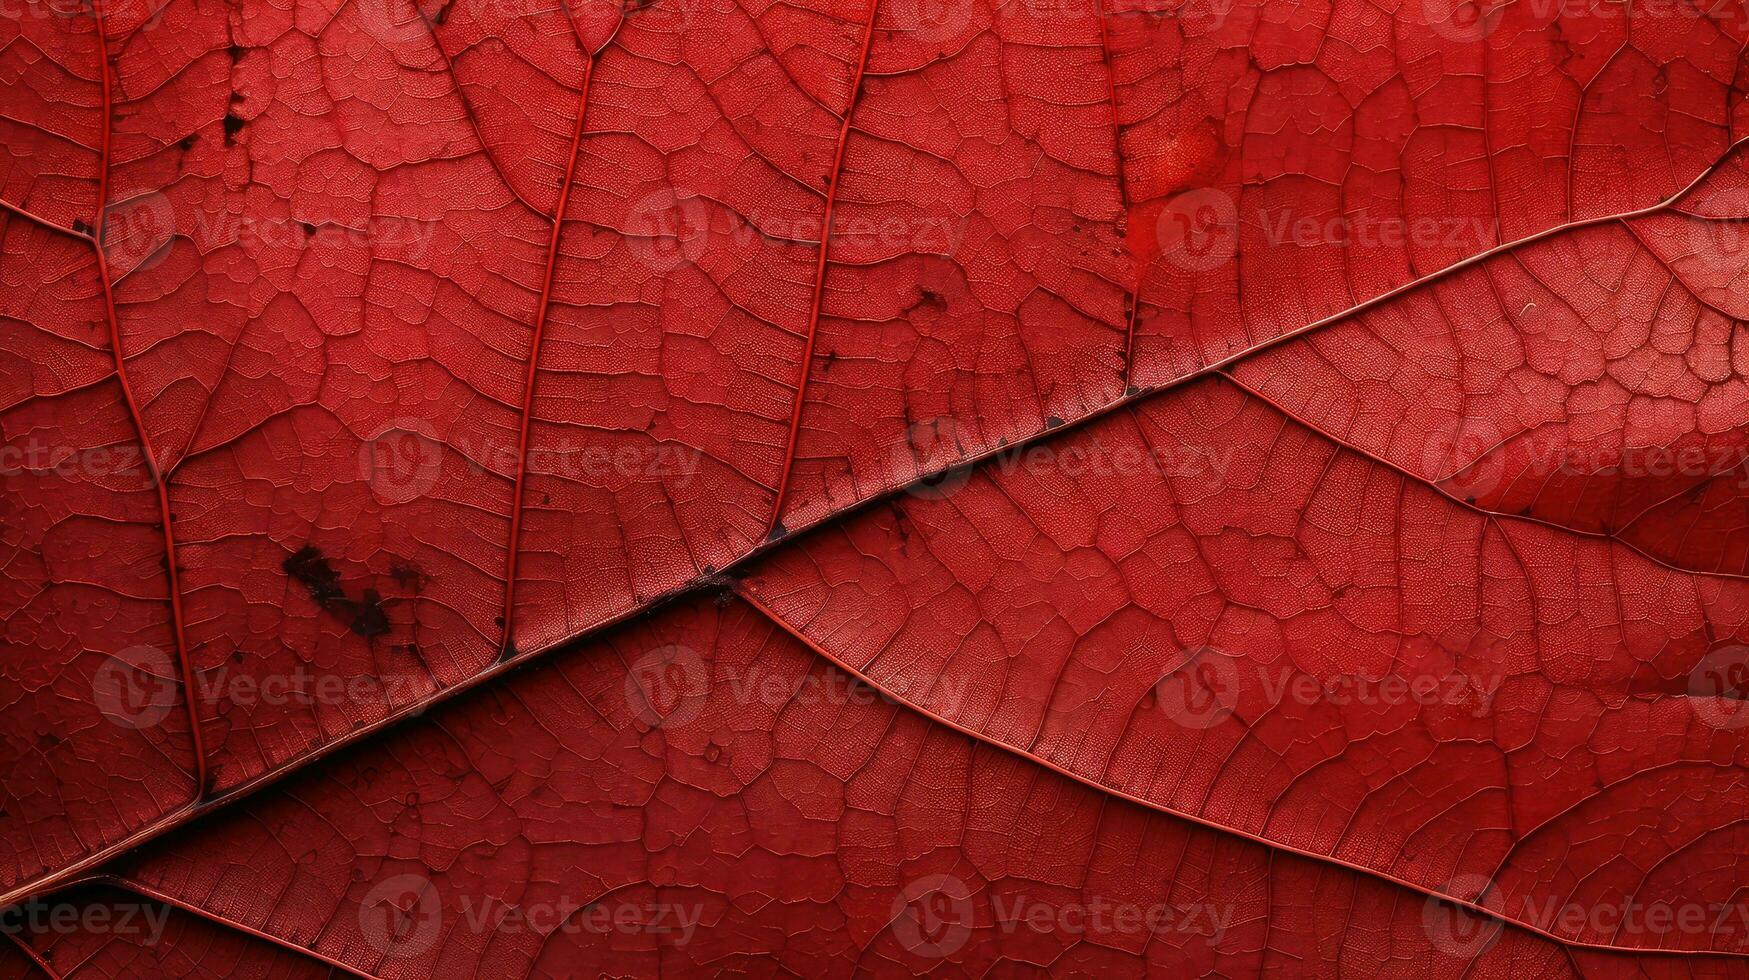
{"x": 1050, "y": 369}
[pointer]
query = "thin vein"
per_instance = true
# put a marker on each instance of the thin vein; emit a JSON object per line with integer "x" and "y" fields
{"x": 159, "y": 482}
{"x": 795, "y": 418}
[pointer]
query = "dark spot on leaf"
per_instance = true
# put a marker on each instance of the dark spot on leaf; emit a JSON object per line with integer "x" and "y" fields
{"x": 778, "y": 532}
{"x": 81, "y": 227}
{"x": 407, "y": 576}
{"x": 1052, "y": 422}
{"x": 311, "y": 569}
{"x": 187, "y": 142}
{"x": 369, "y": 618}
{"x": 233, "y": 125}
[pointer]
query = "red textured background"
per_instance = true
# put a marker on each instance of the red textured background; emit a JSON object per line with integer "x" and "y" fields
{"x": 1086, "y": 487}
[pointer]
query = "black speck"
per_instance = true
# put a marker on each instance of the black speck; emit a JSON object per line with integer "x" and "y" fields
{"x": 311, "y": 569}
{"x": 369, "y": 619}
{"x": 233, "y": 125}
{"x": 1052, "y": 422}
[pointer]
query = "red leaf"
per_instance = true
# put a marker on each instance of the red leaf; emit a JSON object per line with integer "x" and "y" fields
{"x": 1321, "y": 431}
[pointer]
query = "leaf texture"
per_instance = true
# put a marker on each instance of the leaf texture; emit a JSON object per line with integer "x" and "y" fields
{"x": 1279, "y": 467}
